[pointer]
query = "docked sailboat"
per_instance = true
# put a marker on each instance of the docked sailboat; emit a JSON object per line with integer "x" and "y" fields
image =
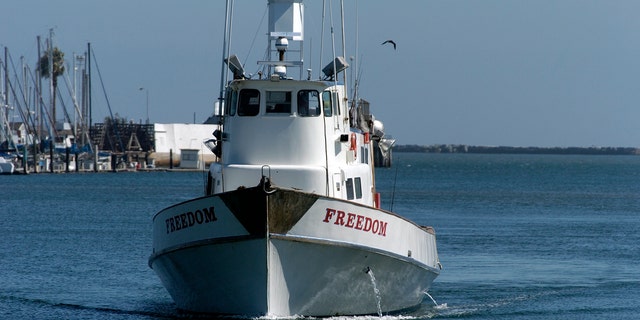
{"x": 291, "y": 222}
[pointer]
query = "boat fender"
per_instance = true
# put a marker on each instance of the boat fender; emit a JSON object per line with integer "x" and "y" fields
{"x": 353, "y": 146}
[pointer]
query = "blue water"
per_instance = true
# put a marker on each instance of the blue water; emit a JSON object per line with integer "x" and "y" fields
{"x": 519, "y": 236}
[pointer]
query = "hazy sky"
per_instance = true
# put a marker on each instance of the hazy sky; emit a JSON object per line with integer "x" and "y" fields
{"x": 479, "y": 72}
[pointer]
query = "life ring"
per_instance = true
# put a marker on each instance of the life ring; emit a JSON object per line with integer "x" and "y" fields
{"x": 353, "y": 146}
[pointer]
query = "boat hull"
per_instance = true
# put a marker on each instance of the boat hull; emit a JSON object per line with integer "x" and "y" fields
{"x": 283, "y": 253}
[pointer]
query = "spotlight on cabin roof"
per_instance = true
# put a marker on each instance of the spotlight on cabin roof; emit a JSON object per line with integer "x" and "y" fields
{"x": 340, "y": 65}
{"x": 235, "y": 66}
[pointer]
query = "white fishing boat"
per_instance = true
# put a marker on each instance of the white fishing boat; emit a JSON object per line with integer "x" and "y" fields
{"x": 6, "y": 166}
{"x": 290, "y": 223}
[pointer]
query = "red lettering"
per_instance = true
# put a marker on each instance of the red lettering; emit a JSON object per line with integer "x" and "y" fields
{"x": 329, "y": 215}
{"x": 340, "y": 218}
{"x": 355, "y": 221}
{"x": 359, "y": 221}
{"x": 367, "y": 224}
{"x": 350, "y": 220}
{"x": 383, "y": 229}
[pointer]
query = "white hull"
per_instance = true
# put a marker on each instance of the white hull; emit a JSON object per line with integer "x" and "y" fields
{"x": 294, "y": 264}
{"x": 6, "y": 167}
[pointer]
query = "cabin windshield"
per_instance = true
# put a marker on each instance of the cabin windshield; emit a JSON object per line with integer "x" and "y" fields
{"x": 308, "y": 103}
{"x": 232, "y": 103}
{"x": 249, "y": 102}
{"x": 279, "y": 102}
{"x": 303, "y": 103}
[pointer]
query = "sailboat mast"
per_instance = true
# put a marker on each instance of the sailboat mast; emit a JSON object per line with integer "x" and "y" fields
{"x": 5, "y": 130}
{"x": 52, "y": 94}
{"x": 38, "y": 92}
{"x": 90, "y": 119}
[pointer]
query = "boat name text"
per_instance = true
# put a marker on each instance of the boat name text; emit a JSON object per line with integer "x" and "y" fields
{"x": 356, "y": 221}
{"x": 190, "y": 219}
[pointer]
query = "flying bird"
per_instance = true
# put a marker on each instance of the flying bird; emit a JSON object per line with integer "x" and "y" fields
{"x": 390, "y": 41}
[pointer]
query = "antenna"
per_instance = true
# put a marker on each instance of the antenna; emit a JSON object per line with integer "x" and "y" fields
{"x": 286, "y": 24}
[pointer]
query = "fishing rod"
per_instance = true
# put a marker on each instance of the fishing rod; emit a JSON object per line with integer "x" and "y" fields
{"x": 393, "y": 190}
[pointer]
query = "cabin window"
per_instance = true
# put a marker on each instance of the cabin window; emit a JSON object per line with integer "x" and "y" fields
{"x": 210, "y": 183}
{"x": 249, "y": 102}
{"x": 358, "y": 188}
{"x": 232, "y": 103}
{"x": 308, "y": 103}
{"x": 326, "y": 103}
{"x": 336, "y": 103}
{"x": 279, "y": 102}
{"x": 365, "y": 154}
{"x": 349, "y": 187}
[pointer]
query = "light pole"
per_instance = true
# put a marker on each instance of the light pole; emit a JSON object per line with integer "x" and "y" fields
{"x": 147, "y": 91}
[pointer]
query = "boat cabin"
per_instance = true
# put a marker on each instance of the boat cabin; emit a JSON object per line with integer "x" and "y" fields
{"x": 301, "y": 134}
{"x": 298, "y": 134}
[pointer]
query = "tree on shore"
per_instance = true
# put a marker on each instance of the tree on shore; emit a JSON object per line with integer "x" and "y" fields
{"x": 58, "y": 70}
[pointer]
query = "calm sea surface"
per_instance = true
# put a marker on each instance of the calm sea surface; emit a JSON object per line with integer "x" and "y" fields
{"x": 519, "y": 236}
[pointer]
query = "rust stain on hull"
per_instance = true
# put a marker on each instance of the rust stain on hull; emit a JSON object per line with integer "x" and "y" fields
{"x": 277, "y": 211}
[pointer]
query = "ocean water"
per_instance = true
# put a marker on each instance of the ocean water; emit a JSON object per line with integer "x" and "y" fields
{"x": 519, "y": 236}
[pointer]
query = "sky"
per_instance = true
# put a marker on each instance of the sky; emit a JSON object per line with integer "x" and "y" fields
{"x": 545, "y": 73}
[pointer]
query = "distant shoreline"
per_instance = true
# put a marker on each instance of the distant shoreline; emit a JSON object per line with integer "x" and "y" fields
{"x": 450, "y": 148}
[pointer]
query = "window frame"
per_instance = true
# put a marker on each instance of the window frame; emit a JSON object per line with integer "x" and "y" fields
{"x": 327, "y": 103}
{"x": 248, "y": 109}
{"x": 301, "y": 107}
{"x": 277, "y": 107}
{"x": 348, "y": 185}
{"x": 358, "y": 187}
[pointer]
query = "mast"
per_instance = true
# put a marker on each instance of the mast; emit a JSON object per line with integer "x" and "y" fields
{"x": 38, "y": 108}
{"x": 90, "y": 110}
{"x": 4, "y": 122}
{"x": 76, "y": 112}
{"x": 286, "y": 23}
{"x": 52, "y": 94}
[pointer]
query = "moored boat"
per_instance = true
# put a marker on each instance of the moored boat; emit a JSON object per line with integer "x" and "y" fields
{"x": 291, "y": 222}
{"x": 6, "y": 167}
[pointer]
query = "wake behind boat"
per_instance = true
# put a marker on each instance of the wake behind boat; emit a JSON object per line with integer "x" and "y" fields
{"x": 291, "y": 222}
